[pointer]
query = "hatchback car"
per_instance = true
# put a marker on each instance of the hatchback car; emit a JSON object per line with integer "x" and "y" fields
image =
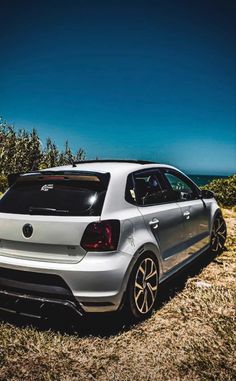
{"x": 96, "y": 236}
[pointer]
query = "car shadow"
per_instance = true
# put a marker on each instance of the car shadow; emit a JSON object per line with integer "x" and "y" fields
{"x": 110, "y": 324}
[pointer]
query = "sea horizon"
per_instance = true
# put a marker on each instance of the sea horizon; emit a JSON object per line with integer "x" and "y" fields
{"x": 202, "y": 180}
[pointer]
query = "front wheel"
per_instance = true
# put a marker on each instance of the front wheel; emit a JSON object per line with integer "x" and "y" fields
{"x": 142, "y": 287}
{"x": 218, "y": 235}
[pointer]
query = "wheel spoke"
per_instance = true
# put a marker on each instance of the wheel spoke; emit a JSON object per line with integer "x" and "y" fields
{"x": 151, "y": 272}
{"x": 144, "y": 301}
{"x": 151, "y": 291}
{"x": 142, "y": 270}
{"x": 154, "y": 288}
{"x": 213, "y": 240}
{"x": 146, "y": 260}
{"x": 138, "y": 285}
{"x": 150, "y": 275}
{"x": 217, "y": 243}
{"x": 221, "y": 224}
{"x": 222, "y": 234}
{"x": 222, "y": 239}
{"x": 151, "y": 269}
{"x": 138, "y": 295}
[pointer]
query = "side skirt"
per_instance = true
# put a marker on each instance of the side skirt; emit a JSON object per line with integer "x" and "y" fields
{"x": 183, "y": 264}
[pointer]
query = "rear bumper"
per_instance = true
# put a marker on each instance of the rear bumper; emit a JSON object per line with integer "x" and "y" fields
{"x": 35, "y": 306}
{"x": 96, "y": 284}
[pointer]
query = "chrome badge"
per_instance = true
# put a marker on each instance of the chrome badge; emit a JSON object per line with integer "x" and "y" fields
{"x": 47, "y": 187}
{"x": 27, "y": 230}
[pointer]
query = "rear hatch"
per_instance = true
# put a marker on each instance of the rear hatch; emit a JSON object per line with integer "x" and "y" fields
{"x": 43, "y": 215}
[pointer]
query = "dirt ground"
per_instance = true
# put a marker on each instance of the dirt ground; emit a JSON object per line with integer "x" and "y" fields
{"x": 190, "y": 336}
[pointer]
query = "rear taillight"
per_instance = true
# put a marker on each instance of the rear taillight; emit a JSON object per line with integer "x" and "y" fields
{"x": 101, "y": 236}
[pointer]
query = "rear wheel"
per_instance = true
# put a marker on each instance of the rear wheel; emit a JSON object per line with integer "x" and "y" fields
{"x": 142, "y": 288}
{"x": 218, "y": 235}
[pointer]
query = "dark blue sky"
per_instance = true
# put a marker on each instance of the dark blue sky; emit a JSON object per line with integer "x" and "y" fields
{"x": 125, "y": 79}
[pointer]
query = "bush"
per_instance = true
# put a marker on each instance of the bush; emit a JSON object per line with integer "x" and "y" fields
{"x": 3, "y": 184}
{"x": 224, "y": 190}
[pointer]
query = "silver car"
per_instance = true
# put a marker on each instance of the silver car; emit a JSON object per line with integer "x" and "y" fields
{"x": 97, "y": 236}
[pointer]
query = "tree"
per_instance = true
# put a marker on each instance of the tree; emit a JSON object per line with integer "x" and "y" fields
{"x": 50, "y": 156}
{"x": 22, "y": 151}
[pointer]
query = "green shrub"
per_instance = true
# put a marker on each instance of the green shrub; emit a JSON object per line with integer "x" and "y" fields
{"x": 224, "y": 190}
{"x": 3, "y": 184}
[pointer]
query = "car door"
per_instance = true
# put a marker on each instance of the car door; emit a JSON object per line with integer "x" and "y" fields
{"x": 162, "y": 215}
{"x": 194, "y": 211}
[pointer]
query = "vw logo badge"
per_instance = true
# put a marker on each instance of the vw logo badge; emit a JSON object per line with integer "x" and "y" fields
{"x": 27, "y": 230}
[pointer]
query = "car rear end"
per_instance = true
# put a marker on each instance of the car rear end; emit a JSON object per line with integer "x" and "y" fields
{"x": 54, "y": 248}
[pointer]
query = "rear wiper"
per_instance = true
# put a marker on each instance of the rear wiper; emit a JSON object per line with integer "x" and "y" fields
{"x": 35, "y": 210}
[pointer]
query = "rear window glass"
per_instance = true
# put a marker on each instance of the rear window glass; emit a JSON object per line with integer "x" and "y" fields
{"x": 80, "y": 194}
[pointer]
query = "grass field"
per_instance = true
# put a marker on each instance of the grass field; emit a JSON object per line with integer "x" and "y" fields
{"x": 191, "y": 335}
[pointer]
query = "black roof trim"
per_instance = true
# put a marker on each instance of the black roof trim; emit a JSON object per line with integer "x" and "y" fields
{"x": 142, "y": 162}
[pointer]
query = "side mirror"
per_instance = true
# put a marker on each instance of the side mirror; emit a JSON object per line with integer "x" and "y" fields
{"x": 207, "y": 194}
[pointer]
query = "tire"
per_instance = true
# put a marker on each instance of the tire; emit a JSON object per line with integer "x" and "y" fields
{"x": 218, "y": 235}
{"x": 142, "y": 287}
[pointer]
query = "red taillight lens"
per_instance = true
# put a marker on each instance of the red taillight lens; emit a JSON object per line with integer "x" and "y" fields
{"x": 101, "y": 236}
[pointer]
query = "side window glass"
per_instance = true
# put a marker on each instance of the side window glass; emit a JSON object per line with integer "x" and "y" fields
{"x": 148, "y": 189}
{"x": 129, "y": 192}
{"x": 180, "y": 187}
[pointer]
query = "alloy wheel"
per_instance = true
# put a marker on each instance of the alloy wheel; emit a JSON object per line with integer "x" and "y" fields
{"x": 145, "y": 286}
{"x": 218, "y": 236}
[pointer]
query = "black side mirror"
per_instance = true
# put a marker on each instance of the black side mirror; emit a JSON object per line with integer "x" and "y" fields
{"x": 207, "y": 194}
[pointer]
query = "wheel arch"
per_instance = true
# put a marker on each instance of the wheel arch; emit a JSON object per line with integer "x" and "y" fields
{"x": 144, "y": 249}
{"x": 148, "y": 248}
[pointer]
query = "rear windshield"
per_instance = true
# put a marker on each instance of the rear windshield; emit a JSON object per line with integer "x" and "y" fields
{"x": 77, "y": 194}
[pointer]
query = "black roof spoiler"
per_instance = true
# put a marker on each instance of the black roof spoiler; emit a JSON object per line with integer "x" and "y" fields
{"x": 12, "y": 178}
{"x": 142, "y": 162}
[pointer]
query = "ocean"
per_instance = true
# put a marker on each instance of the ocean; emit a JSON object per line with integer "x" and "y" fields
{"x": 201, "y": 180}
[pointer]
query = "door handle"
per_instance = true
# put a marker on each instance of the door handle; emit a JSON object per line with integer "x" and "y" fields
{"x": 187, "y": 215}
{"x": 154, "y": 223}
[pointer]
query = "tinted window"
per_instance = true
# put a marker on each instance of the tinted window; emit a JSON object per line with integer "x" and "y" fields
{"x": 182, "y": 187}
{"x": 129, "y": 190}
{"x": 148, "y": 189}
{"x": 67, "y": 195}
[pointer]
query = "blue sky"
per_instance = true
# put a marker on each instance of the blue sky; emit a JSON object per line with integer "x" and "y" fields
{"x": 125, "y": 79}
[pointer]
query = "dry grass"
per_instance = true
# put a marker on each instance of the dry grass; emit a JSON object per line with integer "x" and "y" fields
{"x": 191, "y": 336}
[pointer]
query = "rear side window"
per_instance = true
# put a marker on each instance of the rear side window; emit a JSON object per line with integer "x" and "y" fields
{"x": 80, "y": 194}
{"x": 148, "y": 189}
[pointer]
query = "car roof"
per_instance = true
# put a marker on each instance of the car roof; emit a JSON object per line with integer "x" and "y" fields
{"x": 110, "y": 166}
